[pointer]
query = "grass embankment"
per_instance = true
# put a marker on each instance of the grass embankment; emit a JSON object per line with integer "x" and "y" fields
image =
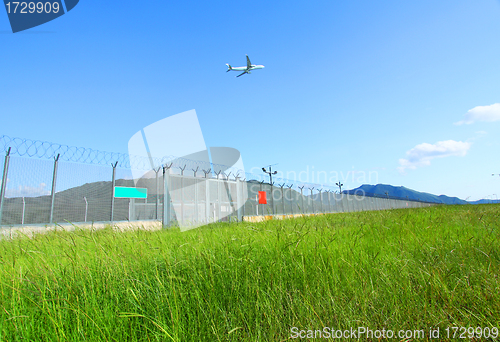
{"x": 400, "y": 269}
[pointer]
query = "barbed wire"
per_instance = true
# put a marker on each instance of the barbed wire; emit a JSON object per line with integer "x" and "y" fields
{"x": 48, "y": 150}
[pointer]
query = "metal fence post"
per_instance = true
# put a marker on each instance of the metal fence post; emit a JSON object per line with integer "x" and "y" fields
{"x": 261, "y": 209}
{"x": 291, "y": 200}
{"x": 157, "y": 193}
{"x": 272, "y": 197}
{"x": 238, "y": 198}
{"x": 302, "y": 197}
{"x": 182, "y": 193}
{"x": 243, "y": 199}
{"x": 218, "y": 197}
{"x": 282, "y": 197}
{"x": 321, "y": 200}
{"x": 4, "y": 182}
{"x": 166, "y": 196}
{"x": 329, "y": 204}
{"x": 227, "y": 186}
{"x": 312, "y": 199}
{"x": 196, "y": 199}
{"x": 207, "y": 195}
{"x": 53, "y": 192}
{"x": 113, "y": 190}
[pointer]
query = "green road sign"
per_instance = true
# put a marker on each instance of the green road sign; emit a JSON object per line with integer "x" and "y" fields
{"x": 128, "y": 192}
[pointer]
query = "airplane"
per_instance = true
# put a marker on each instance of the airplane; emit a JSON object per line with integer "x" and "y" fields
{"x": 246, "y": 70}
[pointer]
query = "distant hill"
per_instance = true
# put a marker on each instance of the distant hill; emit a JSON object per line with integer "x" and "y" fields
{"x": 380, "y": 190}
{"x": 484, "y": 201}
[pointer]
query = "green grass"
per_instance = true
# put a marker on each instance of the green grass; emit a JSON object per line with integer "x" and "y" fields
{"x": 400, "y": 269}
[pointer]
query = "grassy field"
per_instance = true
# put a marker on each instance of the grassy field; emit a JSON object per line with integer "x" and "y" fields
{"x": 402, "y": 269}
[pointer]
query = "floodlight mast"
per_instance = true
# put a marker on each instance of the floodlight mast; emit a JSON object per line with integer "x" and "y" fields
{"x": 340, "y": 185}
{"x": 271, "y": 173}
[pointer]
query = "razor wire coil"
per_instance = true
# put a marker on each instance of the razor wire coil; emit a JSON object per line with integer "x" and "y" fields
{"x": 47, "y": 150}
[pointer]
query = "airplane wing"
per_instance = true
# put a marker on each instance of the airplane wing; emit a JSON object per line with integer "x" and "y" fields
{"x": 248, "y": 63}
{"x": 243, "y": 73}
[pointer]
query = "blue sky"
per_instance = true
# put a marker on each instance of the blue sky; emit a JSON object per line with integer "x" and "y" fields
{"x": 405, "y": 92}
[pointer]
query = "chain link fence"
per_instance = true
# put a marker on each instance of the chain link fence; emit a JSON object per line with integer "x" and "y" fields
{"x": 50, "y": 183}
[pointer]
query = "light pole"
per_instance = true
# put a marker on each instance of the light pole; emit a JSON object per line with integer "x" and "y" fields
{"x": 340, "y": 185}
{"x": 271, "y": 173}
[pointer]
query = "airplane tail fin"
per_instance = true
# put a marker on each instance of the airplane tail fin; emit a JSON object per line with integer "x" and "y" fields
{"x": 229, "y": 68}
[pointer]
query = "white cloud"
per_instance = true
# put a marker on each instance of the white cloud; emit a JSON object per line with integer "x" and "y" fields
{"x": 422, "y": 154}
{"x": 28, "y": 191}
{"x": 481, "y": 113}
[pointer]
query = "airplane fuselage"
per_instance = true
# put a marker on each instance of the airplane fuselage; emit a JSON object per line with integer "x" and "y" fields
{"x": 243, "y": 68}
